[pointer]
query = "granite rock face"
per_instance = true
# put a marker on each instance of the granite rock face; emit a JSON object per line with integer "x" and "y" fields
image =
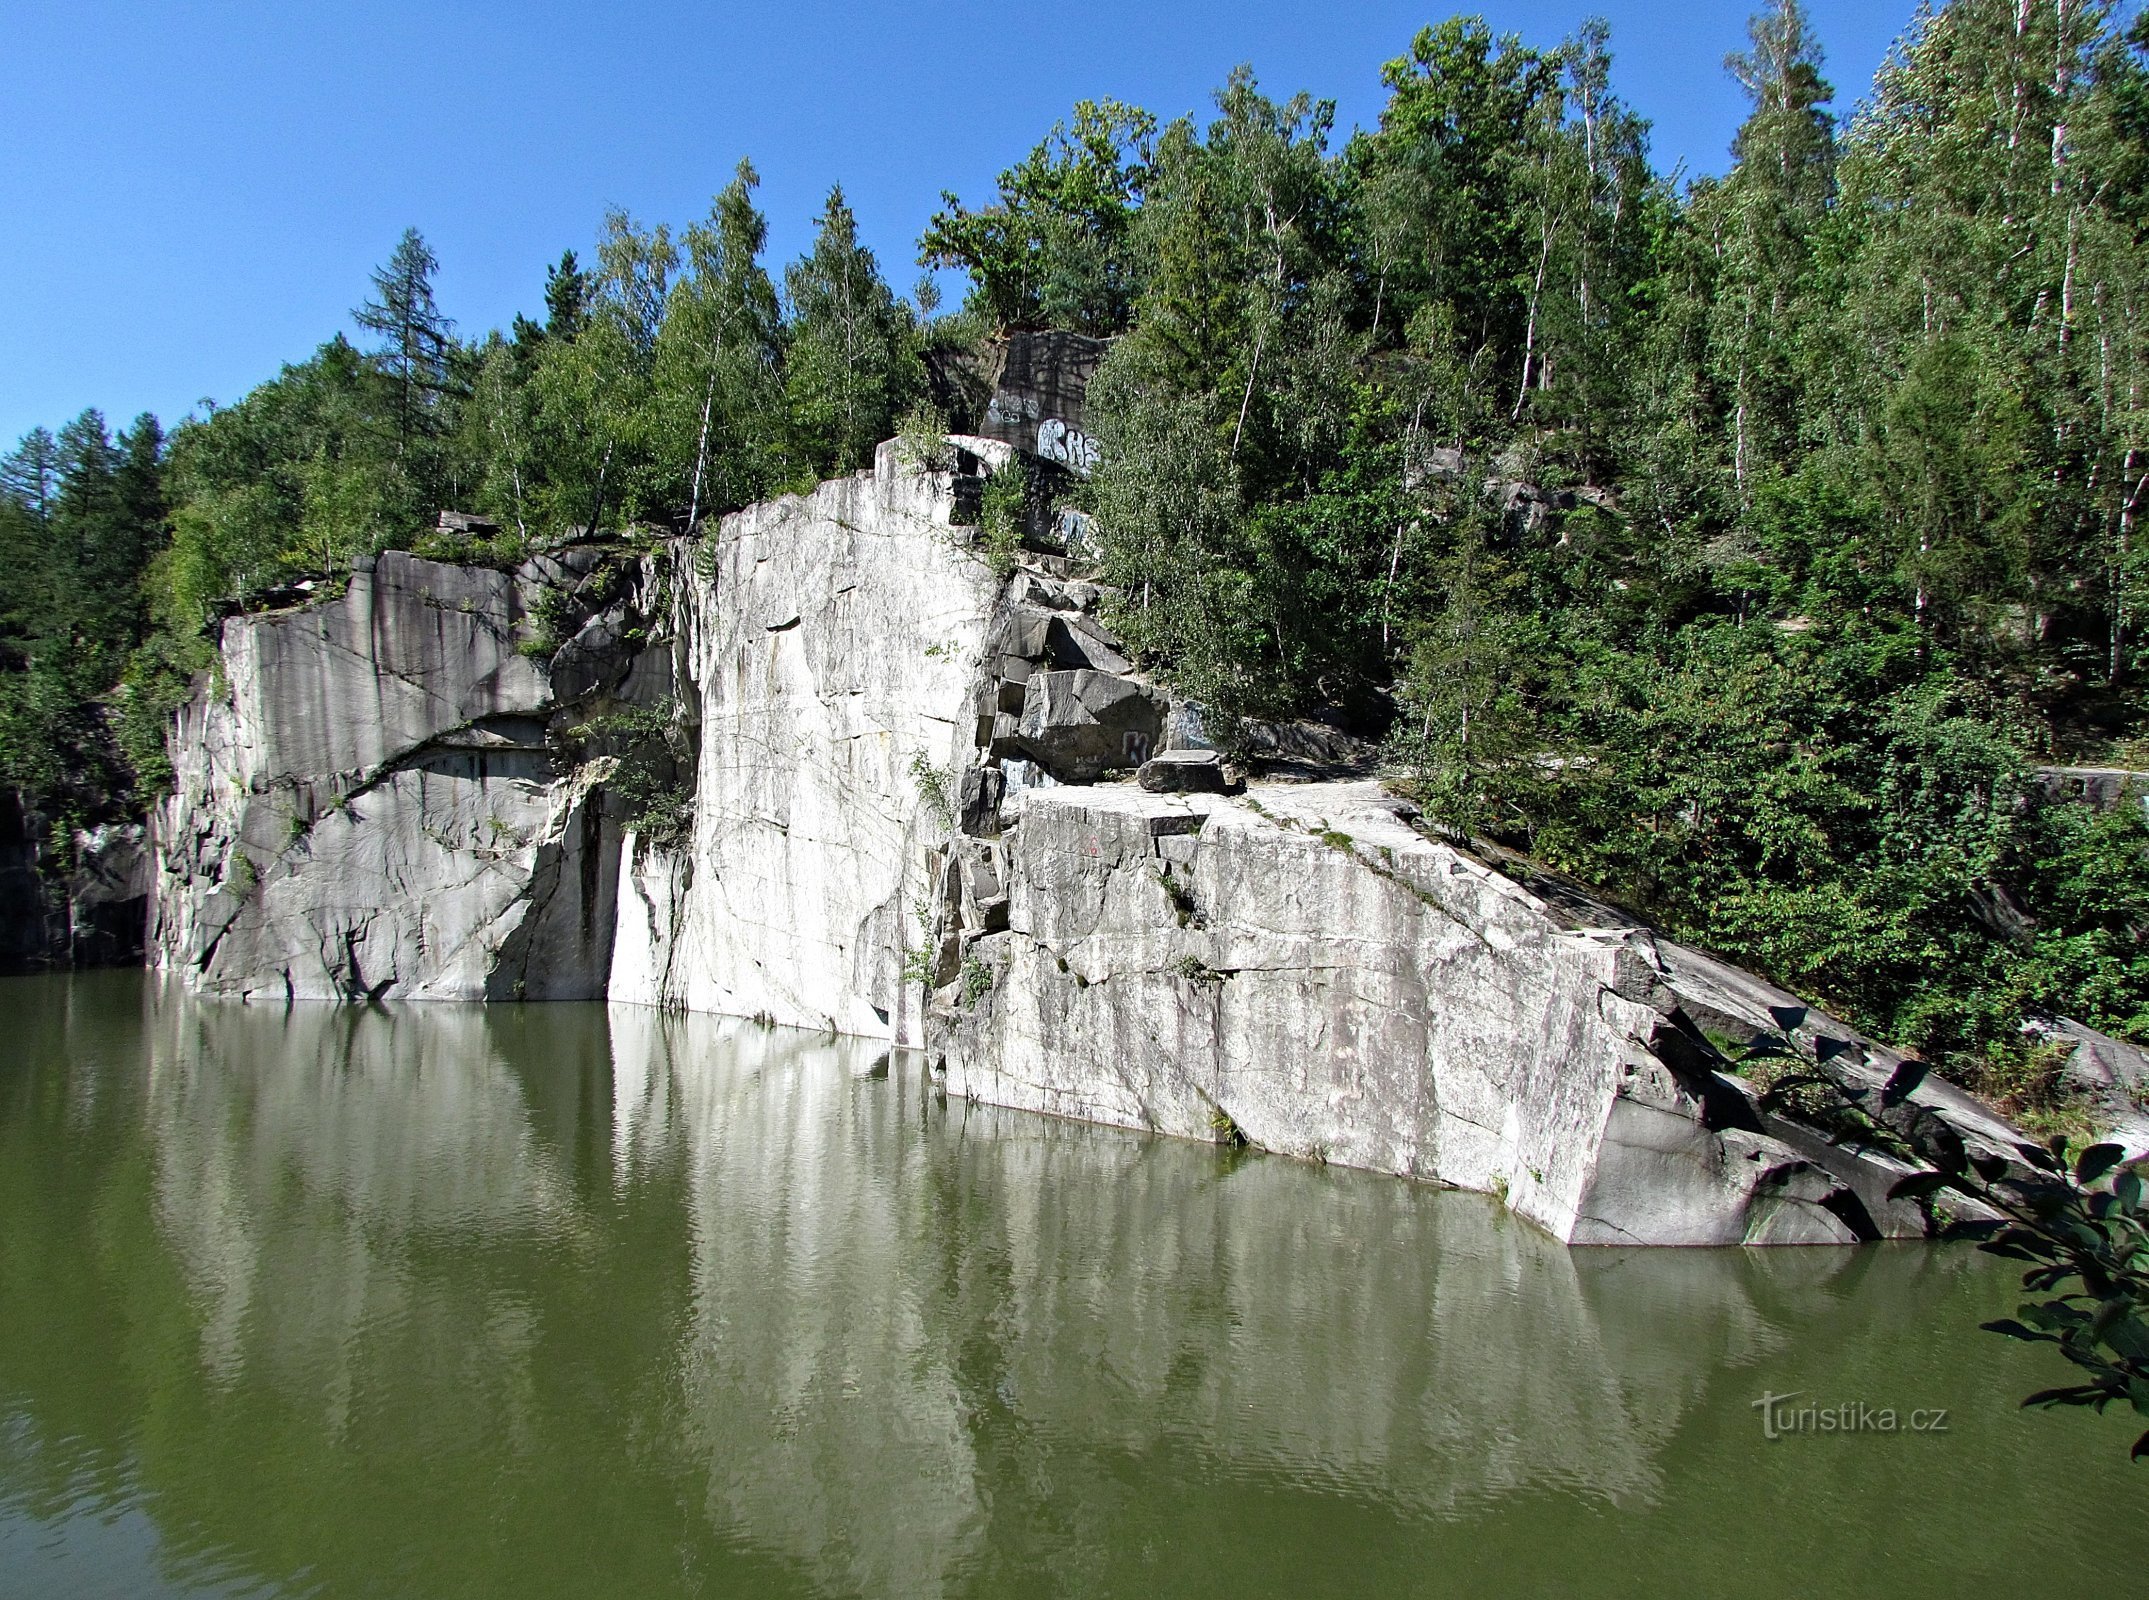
{"x": 373, "y": 805}
{"x": 1304, "y": 972}
{"x": 879, "y": 811}
{"x": 829, "y": 646}
{"x": 85, "y": 906}
{"x": 29, "y": 920}
{"x": 108, "y": 895}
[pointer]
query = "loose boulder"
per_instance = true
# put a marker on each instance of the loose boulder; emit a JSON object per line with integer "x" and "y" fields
{"x": 1185, "y": 772}
{"x": 1082, "y": 724}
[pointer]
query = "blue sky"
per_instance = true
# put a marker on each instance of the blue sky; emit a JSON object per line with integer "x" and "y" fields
{"x": 194, "y": 192}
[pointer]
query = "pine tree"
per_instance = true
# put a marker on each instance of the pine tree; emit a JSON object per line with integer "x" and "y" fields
{"x": 853, "y": 362}
{"x": 567, "y": 297}
{"x": 416, "y": 342}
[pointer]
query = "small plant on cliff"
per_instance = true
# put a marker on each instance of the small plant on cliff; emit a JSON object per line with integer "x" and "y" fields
{"x": 1181, "y": 897}
{"x": 921, "y": 439}
{"x": 654, "y": 778}
{"x": 917, "y": 967}
{"x": 977, "y": 981}
{"x": 935, "y": 788}
{"x": 1001, "y": 516}
{"x": 551, "y": 621}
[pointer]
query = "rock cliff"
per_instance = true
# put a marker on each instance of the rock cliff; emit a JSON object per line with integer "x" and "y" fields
{"x": 86, "y": 906}
{"x": 371, "y": 800}
{"x": 816, "y": 765}
{"x": 1302, "y": 970}
{"x": 827, "y": 648}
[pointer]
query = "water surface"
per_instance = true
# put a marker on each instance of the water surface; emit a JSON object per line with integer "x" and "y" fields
{"x": 561, "y": 1300}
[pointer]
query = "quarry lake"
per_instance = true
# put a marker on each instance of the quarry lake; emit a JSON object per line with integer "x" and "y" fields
{"x": 568, "y": 1300}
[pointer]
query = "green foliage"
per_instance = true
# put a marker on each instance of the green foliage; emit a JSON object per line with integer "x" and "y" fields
{"x": 921, "y": 437}
{"x": 1054, "y": 251}
{"x": 551, "y": 622}
{"x": 936, "y": 788}
{"x": 918, "y": 967}
{"x": 853, "y": 364}
{"x": 654, "y": 776}
{"x": 82, "y": 515}
{"x": 2078, "y": 1223}
{"x": 1003, "y": 512}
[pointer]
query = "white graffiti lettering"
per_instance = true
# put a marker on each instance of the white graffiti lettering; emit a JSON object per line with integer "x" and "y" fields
{"x": 1070, "y": 447}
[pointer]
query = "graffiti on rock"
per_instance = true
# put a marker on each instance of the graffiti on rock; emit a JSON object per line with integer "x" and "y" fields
{"x": 1070, "y": 447}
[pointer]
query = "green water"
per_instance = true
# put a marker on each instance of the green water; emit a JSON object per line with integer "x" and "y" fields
{"x": 552, "y": 1300}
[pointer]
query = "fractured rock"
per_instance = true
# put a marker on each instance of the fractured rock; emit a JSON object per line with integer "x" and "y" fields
{"x": 1342, "y": 988}
{"x": 1082, "y": 724}
{"x": 1184, "y": 772}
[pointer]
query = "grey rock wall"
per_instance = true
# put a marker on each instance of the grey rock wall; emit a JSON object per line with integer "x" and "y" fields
{"x": 1303, "y": 971}
{"x": 79, "y": 900}
{"x": 373, "y": 804}
{"x": 927, "y": 807}
{"x": 829, "y": 646}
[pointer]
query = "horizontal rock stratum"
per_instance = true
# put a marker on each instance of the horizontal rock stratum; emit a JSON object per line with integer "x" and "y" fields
{"x": 816, "y": 765}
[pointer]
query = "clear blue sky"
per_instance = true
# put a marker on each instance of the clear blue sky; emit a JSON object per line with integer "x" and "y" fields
{"x": 195, "y": 192}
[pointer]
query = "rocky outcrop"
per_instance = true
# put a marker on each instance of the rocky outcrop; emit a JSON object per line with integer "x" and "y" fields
{"x": 828, "y": 646}
{"x": 108, "y": 895}
{"x": 84, "y": 906}
{"x": 373, "y": 800}
{"x": 1303, "y": 971}
{"x": 30, "y": 922}
{"x": 887, "y": 795}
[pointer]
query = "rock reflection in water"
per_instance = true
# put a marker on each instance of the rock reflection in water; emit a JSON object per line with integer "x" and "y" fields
{"x": 613, "y": 1300}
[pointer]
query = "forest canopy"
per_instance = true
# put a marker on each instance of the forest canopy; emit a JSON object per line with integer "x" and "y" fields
{"x": 1742, "y": 546}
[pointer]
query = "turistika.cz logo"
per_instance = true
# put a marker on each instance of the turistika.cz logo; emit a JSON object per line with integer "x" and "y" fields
{"x": 1780, "y": 1418}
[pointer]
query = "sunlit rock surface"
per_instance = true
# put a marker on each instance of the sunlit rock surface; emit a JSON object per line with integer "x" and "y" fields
{"x": 907, "y": 810}
{"x": 367, "y": 804}
{"x": 1302, "y": 970}
{"x": 828, "y": 647}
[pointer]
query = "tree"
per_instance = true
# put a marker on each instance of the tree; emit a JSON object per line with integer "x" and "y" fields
{"x": 416, "y": 340}
{"x": 1055, "y": 249}
{"x": 853, "y": 364}
{"x": 567, "y": 297}
{"x": 720, "y": 357}
{"x": 30, "y": 474}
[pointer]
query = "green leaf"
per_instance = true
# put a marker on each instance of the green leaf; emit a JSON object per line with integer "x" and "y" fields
{"x": 1918, "y": 1185}
{"x": 1903, "y": 1082}
{"x": 2015, "y": 1330}
{"x": 2039, "y": 1157}
{"x": 1991, "y": 1168}
{"x": 2096, "y": 1161}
